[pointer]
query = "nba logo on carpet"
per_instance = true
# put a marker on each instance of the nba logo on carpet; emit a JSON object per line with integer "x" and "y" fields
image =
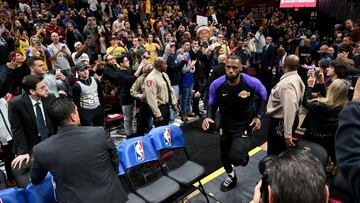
{"x": 139, "y": 150}
{"x": 167, "y": 137}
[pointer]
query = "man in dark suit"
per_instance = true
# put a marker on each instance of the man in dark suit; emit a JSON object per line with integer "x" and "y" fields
{"x": 267, "y": 62}
{"x": 27, "y": 125}
{"x": 218, "y": 70}
{"x": 83, "y": 160}
{"x": 280, "y": 61}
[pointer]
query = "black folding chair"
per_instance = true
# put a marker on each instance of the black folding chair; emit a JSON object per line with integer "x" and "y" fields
{"x": 139, "y": 151}
{"x": 172, "y": 137}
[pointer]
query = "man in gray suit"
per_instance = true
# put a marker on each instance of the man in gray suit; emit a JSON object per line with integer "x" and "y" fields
{"x": 83, "y": 160}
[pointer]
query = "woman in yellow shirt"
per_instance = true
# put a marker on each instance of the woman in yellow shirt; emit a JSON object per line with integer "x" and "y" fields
{"x": 36, "y": 48}
{"x": 22, "y": 42}
{"x": 176, "y": 9}
{"x": 152, "y": 47}
{"x": 117, "y": 48}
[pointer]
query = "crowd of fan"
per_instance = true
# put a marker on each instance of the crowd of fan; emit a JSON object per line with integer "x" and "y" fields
{"x": 114, "y": 47}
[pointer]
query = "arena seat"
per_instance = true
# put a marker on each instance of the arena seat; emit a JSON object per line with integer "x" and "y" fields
{"x": 42, "y": 193}
{"x": 138, "y": 151}
{"x": 13, "y": 195}
{"x": 172, "y": 137}
{"x": 132, "y": 197}
{"x": 112, "y": 120}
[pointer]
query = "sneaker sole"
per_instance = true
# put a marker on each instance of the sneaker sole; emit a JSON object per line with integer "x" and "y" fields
{"x": 227, "y": 189}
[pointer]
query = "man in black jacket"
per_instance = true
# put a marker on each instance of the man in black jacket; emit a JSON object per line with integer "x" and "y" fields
{"x": 219, "y": 70}
{"x": 87, "y": 170}
{"x": 197, "y": 54}
{"x": 174, "y": 71}
{"x": 215, "y": 73}
{"x": 121, "y": 76}
{"x": 347, "y": 143}
{"x": 267, "y": 63}
{"x": 7, "y": 76}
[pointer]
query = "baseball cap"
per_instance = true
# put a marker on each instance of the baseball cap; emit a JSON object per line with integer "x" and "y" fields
{"x": 77, "y": 43}
{"x": 81, "y": 66}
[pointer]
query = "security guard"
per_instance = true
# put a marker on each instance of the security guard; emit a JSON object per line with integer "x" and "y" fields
{"x": 283, "y": 106}
{"x": 160, "y": 94}
{"x": 137, "y": 90}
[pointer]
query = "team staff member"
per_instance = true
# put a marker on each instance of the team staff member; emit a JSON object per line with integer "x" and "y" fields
{"x": 159, "y": 94}
{"x": 28, "y": 116}
{"x": 234, "y": 95}
{"x": 87, "y": 170}
{"x": 88, "y": 97}
{"x": 284, "y": 103}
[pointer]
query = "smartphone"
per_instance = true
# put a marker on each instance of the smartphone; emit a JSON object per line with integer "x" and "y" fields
{"x": 99, "y": 57}
{"x": 57, "y": 71}
{"x": 317, "y": 73}
{"x": 13, "y": 56}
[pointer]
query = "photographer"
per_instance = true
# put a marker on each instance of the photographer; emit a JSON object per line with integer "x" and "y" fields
{"x": 280, "y": 184}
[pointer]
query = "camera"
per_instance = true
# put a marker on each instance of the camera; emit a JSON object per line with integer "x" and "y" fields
{"x": 264, "y": 169}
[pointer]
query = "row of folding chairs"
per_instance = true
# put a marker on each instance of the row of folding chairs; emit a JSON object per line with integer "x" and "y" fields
{"x": 140, "y": 155}
{"x": 145, "y": 152}
{"x": 42, "y": 193}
